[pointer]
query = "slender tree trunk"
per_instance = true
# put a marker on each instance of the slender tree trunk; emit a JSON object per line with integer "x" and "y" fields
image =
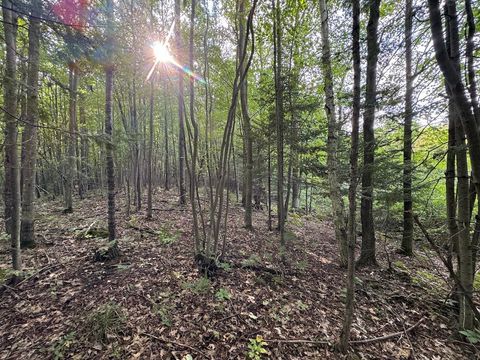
{"x": 407, "y": 238}
{"x": 472, "y": 88}
{"x": 367, "y": 255}
{"x": 269, "y": 186}
{"x": 193, "y": 171}
{"x": 463, "y": 197}
{"x": 279, "y": 118}
{"x": 27, "y": 234}
{"x": 449, "y": 65}
{"x": 335, "y": 194}
{"x": 72, "y": 138}
{"x": 181, "y": 115}
{"x": 12, "y": 171}
{"x": 167, "y": 154}
{"x": 150, "y": 152}
{"x": 352, "y": 190}
{"x": 247, "y": 136}
{"x": 109, "y": 69}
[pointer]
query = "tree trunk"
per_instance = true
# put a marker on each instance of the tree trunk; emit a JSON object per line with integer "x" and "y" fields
{"x": 181, "y": 115}
{"x": 352, "y": 190}
{"x": 150, "y": 151}
{"x": 449, "y": 65}
{"x": 407, "y": 238}
{"x": 11, "y": 161}
{"x": 72, "y": 138}
{"x": 167, "y": 164}
{"x": 335, "y": 194}
{"x": 279, "y": 119}
{"x": 27, "y": 235}
{"x": 247, "y": 132}
{"x": 367, "y": 255}
{"x": 109, "y": 127}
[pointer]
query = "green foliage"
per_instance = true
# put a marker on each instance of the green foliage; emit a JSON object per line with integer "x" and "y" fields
{"x": 473, "y": 336}
{"x": 251, "y": 261}
{"x": 167, "y": 237}
{"x": 59, "y": 348}
{"x": 256, "y": 348}
{"x": 223, "y": 294}
{"x": 224, "y": 266}
{"x": 163, "y": 310}
{"x": 201, "y": 286}
{"x": 302, "y": 265}
{"x": 105, "y": 323}
{"x": 476, "y": 282}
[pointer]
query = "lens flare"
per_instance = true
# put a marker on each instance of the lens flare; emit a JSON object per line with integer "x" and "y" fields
{"x": 161, "y": 52}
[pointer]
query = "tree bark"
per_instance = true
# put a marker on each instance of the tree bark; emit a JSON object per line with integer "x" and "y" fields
{"x": 247, "y": 131}
{"x": 11, "y": 161}
{"x": 352, "y": 190}
{"x": 334, "y": 185}
{"x": 407, "y": 238}
{"x": 181, "y": 115}
{"x": 109, "y": 72}
{"x": 27, "y": 234}
{"x": 72, "y": 138}
{"x": 367, "y": 254}
{"x": 449, "y": 65}
{"x": 279, "y": 119}
{"x": 150, "y": 155}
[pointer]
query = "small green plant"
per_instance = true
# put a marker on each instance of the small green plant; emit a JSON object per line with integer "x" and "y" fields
{"x": 61, "y": 345}
{"x": 473, "y": 336}
{"x": 302, "y": 265}
{"x": 401, "y": 265}
{"x": 256, "y": 348}
{"x": 224, "y": 266}
{"x": 200, "y": 286}
{"x": 252, "y": 260}
{"x": 163, "y": 311}
{"x": 222, "y": 294}
{"x": 166, "y": 237}
{"x": 106, "y": 322}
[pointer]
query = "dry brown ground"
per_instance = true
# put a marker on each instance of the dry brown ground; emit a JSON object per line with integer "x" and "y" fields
{"x": 170, "y": 313}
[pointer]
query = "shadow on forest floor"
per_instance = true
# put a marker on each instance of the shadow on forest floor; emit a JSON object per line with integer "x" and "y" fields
{"x": 152, "y": 304}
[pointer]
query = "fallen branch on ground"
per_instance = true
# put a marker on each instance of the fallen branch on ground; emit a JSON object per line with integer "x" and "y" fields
{"x": 176, "y": 343}
{"x": 352, "y": 342}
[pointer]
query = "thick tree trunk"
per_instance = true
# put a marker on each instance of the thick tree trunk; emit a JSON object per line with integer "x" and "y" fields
{"x": 335, "y": 194}
{"x": 407, "y": 238}
{"x": 11, "y": 161}
{"x": 367, "y": 255}
{"x": 352, "y": 190}
{"x": 27, "y": 234}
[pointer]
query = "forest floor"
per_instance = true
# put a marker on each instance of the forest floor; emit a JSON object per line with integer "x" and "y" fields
{"x": 153, "y": 304}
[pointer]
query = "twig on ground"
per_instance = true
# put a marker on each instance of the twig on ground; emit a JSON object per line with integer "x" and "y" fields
{"x": 176, "y": 343}
{"x": 386, "y": 337}
{"x": 352, "y": 342}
